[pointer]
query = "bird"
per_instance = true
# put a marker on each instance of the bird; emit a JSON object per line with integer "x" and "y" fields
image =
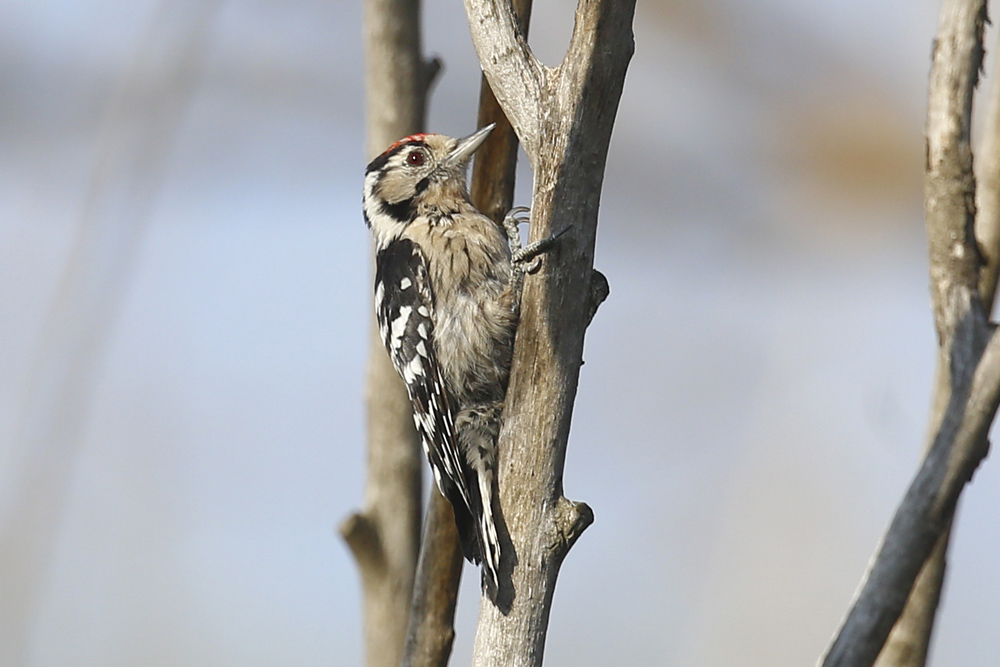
{"x": 447, "y": 297}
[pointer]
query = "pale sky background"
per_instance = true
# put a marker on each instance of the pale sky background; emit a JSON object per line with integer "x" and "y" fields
{"x": 756, "y": 388}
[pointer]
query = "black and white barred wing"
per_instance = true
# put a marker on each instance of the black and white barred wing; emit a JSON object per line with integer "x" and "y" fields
{"x": 404, "y": 308}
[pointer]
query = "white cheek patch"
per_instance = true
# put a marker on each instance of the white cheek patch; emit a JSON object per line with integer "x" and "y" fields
{"x": 384, "y": 227}
{"x": 405, "y": 283}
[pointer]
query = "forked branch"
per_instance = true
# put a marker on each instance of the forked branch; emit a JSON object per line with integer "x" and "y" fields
{"x": 516, "y": 77}
{"x": 564, "y": 118}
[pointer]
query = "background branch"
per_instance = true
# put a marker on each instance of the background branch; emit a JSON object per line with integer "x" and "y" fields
{"x": 967, "y": 390}
{"x": 909, "y": 643}
{"x": 435, "y": 591}
{"x": 384, "y": 537}
{"x": 138, "y": 130}
{"x": 988, "y": 193}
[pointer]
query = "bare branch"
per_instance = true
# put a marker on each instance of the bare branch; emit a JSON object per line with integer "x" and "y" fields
{"x": 949, "y": 191}
{"x": 493, "y": 172}
{"x": 439, "y": 570}
{"x": 969, "y": 376}
{"x": 385, "y": 536}
{"x": 909, "y": 642}
{"x": 573, "y": 110}
{"x": 923, "y": 515}
{"x": 516, "y": 77}
{"x": 138, "y": 130}
{"x": 988, "y": 194}
{"x": 435, "y": 593}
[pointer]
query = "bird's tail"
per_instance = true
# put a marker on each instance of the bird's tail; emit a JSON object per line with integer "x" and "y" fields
{"x": 488, "y": 539}
{"x": 477, "y": 532}
{"x": 478, "y": 427}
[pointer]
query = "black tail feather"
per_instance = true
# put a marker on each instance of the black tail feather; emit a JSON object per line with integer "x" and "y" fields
{"x": 468, "y": 535}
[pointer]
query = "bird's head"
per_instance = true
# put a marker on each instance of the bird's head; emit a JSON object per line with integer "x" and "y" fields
{"x": 422, "y": 174}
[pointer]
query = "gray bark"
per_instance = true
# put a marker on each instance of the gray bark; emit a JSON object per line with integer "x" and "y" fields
{"x": 909, "y": 643}
{"x": 969, "y": 363}
{"x": 385, "y": 536}
{"x": 563, "y": 117}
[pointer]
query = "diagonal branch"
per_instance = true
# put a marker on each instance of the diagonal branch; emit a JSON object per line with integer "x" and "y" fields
{"x": 969, "y": 364}
{"x": 139, "y": 127}
{"x": 909, "y": 642}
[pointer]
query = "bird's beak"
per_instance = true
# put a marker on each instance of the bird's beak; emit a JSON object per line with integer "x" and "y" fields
{"x": 469, "y": 145}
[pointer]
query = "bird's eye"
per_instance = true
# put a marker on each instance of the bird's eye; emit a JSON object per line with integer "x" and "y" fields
{"x": 416, "y": 158}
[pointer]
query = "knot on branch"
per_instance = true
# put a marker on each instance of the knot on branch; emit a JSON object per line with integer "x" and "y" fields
{"x": 362, "y": 537}
{"x": 570, "y": 519}
{"x": 599, "y": 291}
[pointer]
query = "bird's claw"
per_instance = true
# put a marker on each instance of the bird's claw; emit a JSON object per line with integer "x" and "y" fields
{"x": 529, "y": 257}
{"x": 515, "y": 216}
{"x": 524, "y": 259}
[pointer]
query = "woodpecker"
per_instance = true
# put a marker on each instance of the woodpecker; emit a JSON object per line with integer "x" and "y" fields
{"x": 447, "y": 294}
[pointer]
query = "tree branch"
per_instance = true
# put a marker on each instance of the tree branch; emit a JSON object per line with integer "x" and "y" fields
{"x": 138, "y": 129}
{"x": 516, "y": 77}
{"x": 909, "y": 642}
{"x": 435, "y": 593}
{"x": 565, "y": 131}
{"x": 431, "y": 631}
{"x": 988, "y": 195}
{"x": 949, "y": 191}
{"x": 968, "y": 387}
{"x": 385, "y": 536}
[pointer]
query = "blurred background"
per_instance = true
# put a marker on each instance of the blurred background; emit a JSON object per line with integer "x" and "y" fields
{"x": 185, "y": 295}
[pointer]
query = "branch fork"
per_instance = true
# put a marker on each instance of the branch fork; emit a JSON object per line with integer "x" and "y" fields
{"x": 563, "y": 117}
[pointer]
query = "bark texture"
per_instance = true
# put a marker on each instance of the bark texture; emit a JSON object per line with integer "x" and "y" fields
{"x": 909, "y": 643}
{"x": 968, "y": 386}
{"x": 385, "y": 535}
{"x": 563, "y": 117}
